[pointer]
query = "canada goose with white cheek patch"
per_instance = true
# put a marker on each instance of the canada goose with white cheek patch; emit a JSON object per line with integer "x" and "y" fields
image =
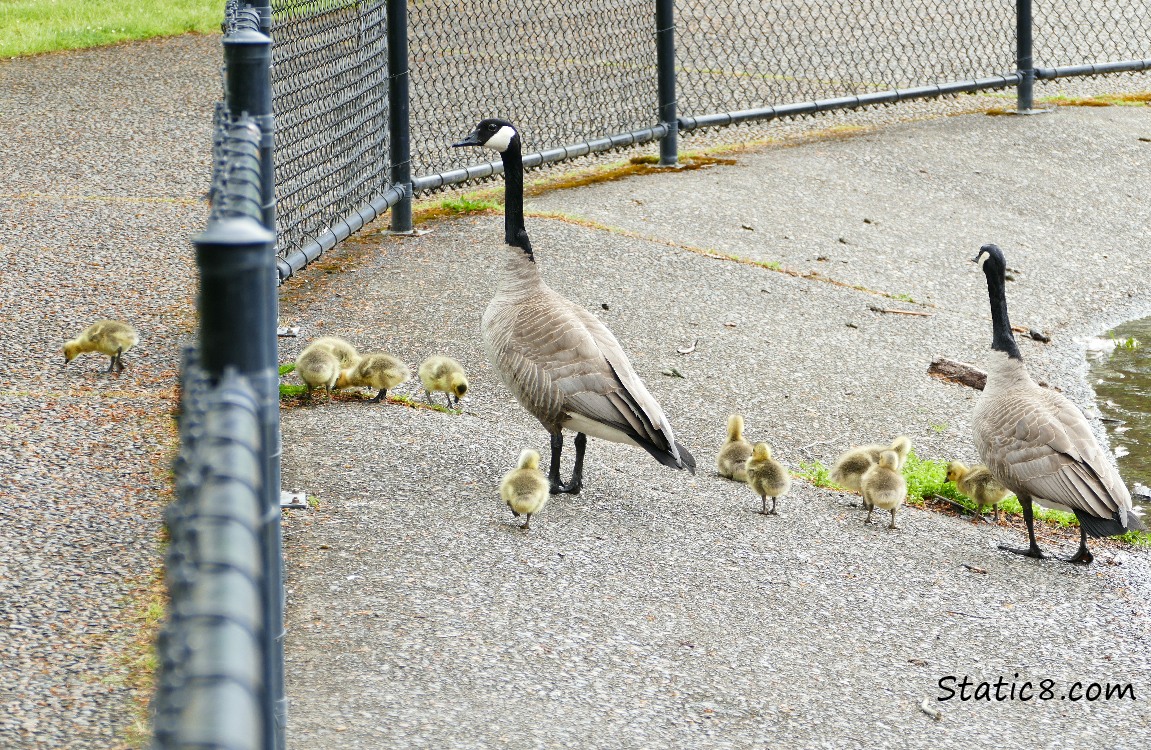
{"x": 561, "y": 362}
{"x": 1038, "y": 444}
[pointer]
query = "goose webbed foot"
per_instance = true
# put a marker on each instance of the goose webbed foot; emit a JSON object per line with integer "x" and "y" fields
{"x": 380, "y": 396}
{"x": 527, "y": 522}
{"x": 1032, "y": 551}
{"x": 1083, "y": 556}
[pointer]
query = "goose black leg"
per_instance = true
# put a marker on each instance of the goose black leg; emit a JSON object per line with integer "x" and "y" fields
{"x": 1028, "y": 518}
{"x": 112, "y": 364}
{"x": 1083, "y": 556}
{"x": 527, "y": 521}
{"x": 576, "y": 483}
{"x": 380, "y": 396}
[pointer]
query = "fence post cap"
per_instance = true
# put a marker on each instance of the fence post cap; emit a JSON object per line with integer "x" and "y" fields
{"x": 235, "y": 230}
{"x": 245, "y": 37}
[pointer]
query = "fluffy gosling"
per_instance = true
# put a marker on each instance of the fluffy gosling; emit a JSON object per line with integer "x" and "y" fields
{"x": 978, "y": 484}
{"x": 525, "y": 489}
{"x": 851, "y": 465}
{"x": 343, "y": 350}
{"x": 110, "y": 337}
{"x": 883, "y": 486}
{"x": 318, "y": 367}
{"x": 381, "y": 371}
{"x": 732, "y": 459}
{"x": 767, "y": 477}
{"x": 440, "y": 373}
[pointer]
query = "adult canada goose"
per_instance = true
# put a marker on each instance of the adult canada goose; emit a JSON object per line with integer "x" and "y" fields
{"x": 883, "y": 486}
{"x": 380, "y": 371}
{"x": 732, "y": 459}
{"x": 343, "y": 350}
{"x": 978, "y": 484}
{"x": 1037, "y": 443}
{"x": 562, "y": 364}
{"x": 851, "y": 464}
{"x": 110, "y": 337}
{"x": 317, "y": 367}
{"x": 767, "y": 477}
{"x": 524, "y": 488}
{"x": 440, "y": 373}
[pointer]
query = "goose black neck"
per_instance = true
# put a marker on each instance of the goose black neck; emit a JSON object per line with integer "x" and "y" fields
{"x": 515, "y": 234}
{"x": 1002, "y": 339}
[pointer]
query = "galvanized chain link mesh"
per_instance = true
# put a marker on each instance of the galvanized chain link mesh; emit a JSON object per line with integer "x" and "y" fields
{"x": 1076, "y": 32}
{"x": 747, "y": 53}
{"x": 563, "y": 72}
{"x": 330, "y": 100}
{"x": 569, "y": 72}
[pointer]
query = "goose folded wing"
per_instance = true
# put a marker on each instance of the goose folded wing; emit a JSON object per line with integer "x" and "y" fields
{"x": 1050, "y": 459}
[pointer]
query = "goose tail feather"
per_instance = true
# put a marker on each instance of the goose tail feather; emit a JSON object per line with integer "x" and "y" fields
{"x": 684, "y": 461}
{"x": 1100, "y": 527}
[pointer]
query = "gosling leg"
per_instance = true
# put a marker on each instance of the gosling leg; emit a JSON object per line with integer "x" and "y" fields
{"x": 1032, "y": 549}
{"x": 380, "y": 396}
{"x": 527, "y": 522}
{"x": 870, "y": 510}
{"x": 892, "y": 524}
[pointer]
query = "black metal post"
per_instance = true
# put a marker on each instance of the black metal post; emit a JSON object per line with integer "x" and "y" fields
{"x": 665, "y": 72}
{"x": 1024, "y": 62}
{"x": 248, "y": 83}
{"x": 264, "y": 8}
{"x": 399, "y": 145}
{"x": 236, "y": 258}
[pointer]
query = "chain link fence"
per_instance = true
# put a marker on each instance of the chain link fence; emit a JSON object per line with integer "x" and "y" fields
{"x": 583, "y": 76}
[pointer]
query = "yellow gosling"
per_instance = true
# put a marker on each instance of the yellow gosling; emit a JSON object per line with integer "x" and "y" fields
{"x": 525, "y": 488}
{"x": 110, "y": 337}
{"x": 318, "y": 368}
{"x": 440, "y": 373}
{"x": 883, "y": 486}
{"x": 767, "y": 477}
{"x": 732, "y": 460}
{"x": 379, "y": 371}
{"x": 850, "y": 466}
{"x": 978, "y": 484}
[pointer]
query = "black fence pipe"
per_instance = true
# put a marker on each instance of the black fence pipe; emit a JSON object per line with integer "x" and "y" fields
{"x": 847, "y": 102}
{"x": 236, "y": 260}
{"x": 665, "y": 71}
{"x": 1024, "y": 61}
{"x": 399, "y": 140}
{"x": 1092, "y": 69}
{"x": 264, "y": 9}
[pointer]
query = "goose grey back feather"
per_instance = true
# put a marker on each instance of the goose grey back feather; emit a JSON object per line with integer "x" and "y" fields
{"x": 567, "y": 369}
{"x": 1036, "y": 442}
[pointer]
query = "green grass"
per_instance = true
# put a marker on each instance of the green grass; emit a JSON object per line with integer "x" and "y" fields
{"x": 29, "y": 27}
{"x": 817, "y": 474}
{"x": 465, "y": 205}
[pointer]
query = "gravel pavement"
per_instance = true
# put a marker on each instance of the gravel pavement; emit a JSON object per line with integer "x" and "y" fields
{"x": 655, "y": 609}
{"x": 106, "y": 159}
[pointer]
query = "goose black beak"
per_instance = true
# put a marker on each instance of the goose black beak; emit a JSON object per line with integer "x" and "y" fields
{"x": 473, "y": 139}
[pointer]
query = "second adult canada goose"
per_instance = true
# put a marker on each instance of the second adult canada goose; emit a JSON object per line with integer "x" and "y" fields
{"x": 978, "y": 484}
{"x": 342, "y": 348}
{"x": 1037, "y": 443}
{"x": 883, "y": 486}
{"x": 380, "y": 371}
{"x": 561, "y": 362}
{"x": 767, "y": 477}
{"x": 318, "y": 368}
{"x": 851, "y": 464}
{"x": 524, "y": 488}
{"x": 732, "y": 459}
{"x": 440, "y": 373}
{"x": 110, "y": 337}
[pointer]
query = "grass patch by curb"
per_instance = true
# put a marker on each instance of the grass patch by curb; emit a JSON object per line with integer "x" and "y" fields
{"x": 30, "y": 27}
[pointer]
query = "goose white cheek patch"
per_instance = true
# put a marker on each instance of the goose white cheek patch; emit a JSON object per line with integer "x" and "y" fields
{"x": 499, "y": 141}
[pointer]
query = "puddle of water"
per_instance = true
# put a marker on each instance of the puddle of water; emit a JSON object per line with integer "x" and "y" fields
{"x": 1122, "y": 379}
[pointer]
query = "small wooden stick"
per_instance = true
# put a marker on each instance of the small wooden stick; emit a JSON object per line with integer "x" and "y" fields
{"x": 957, "y": 372}
{"x": 873, "y": 308}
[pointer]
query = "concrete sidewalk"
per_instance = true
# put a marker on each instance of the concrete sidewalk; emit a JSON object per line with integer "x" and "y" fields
{"x": 656, "y": 609}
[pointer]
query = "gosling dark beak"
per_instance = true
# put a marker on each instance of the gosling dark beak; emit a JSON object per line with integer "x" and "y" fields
{"x": 473, "y": 139}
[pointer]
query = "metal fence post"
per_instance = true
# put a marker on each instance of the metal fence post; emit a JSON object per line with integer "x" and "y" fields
{"x": 399, "y": 136}
{"x": 264, "y": 9}
{"x": 236, "y": 259}
{"x": 665, "y": 72}
{"x": 1025, "y": 94}
{"x": 248, "y": 62}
